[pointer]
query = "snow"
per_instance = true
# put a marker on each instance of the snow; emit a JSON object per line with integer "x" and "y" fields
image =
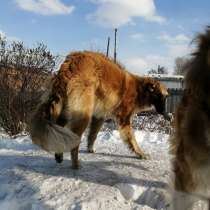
{"x": 111, "y": 179}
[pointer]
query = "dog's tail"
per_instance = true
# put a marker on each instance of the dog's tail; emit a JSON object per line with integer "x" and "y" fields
{"x": 200, "y": 60}
{"x": 43, "y": 128}
{"x": 203, "y": 42}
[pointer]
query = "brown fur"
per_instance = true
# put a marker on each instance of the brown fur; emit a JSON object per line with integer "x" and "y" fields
{"x": 89, "y": 88}
{"x": 190, "y": 143}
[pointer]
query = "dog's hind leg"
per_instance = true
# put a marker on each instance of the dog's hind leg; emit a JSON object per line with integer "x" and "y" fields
{"x": 78, "y": 126}
{"x": 95, "y": 126}
{"x": 62, "y": 122}
{"x": 81, "y": 106}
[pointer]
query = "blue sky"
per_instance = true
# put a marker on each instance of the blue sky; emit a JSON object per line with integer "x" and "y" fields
{"x": 150, "y": 32}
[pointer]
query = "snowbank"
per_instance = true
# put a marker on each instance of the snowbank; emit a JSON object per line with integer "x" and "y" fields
{"x": 112, "y": 178}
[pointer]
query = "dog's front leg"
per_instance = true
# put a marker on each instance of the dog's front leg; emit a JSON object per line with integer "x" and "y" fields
{"x": 128, "y": 137}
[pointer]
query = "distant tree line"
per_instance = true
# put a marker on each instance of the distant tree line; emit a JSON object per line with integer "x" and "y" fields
{"x": 180, "y": 67}
{"x": 159, "y": 70}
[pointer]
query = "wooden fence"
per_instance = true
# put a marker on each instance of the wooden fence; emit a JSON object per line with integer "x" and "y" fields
{"x": 173, "y": 99}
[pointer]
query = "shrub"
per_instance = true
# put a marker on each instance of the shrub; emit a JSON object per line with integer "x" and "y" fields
{"x": 23, "y": 73}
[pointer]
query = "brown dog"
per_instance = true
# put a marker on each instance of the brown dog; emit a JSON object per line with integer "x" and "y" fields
{"x": 190, "y": 143}
{"x": 90, "y": 87}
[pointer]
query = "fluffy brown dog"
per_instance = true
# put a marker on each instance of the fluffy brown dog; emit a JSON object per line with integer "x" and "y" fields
{"x": 191, "y": 141}
{"x": 89, "y": 88}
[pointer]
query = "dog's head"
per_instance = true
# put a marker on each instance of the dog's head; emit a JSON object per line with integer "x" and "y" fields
{"x": 156, "y": 94}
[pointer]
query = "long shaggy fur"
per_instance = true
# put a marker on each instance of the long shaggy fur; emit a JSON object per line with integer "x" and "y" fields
{"x": 190, "y": 143}
{"x": 46, "y": 133}
{"x": 89, "y": 88}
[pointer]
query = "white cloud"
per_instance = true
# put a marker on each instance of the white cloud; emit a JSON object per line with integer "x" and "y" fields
{"x": 181, "y": 27}
{"x": 173, "y": 39}
{"x": 45, "y": 7}
{"x": 182, "y": 37}
{"x": 94, "y": 44}
{"x": 155, "y": 60}
{"x": 141, "y": 65}
{"x": 177, "y": 46}
{"x": 136, "y": 65}
{"x": 137, "y": 36}
{"x": 115, "y": 13}
{"x": 179, "y": 50}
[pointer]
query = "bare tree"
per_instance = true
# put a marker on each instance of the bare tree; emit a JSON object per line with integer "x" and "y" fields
{"x": 23, "y": 71}
{"x": 159, "y": 70}
{"x": 181, "y": 65}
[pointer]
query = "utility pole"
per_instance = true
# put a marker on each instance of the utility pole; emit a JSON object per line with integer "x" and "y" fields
{"x": 107, "y": 50}
{"x": 115, "y": 45}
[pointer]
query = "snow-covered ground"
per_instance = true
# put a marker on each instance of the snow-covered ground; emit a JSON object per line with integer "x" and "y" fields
{"x": 111, "y": 179}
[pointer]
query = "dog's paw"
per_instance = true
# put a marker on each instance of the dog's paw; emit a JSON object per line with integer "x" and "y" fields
{"x": 76, "y": 166}
{"x": 91, "y": 150}
{"x": 59, "y": 158}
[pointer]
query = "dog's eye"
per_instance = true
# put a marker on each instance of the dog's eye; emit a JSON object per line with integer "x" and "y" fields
{"x": 54, "y": 98}
{"x": 151, "y": 89}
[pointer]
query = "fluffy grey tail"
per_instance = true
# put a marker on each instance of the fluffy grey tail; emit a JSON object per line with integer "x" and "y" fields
{"x": 46, "y": 133}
